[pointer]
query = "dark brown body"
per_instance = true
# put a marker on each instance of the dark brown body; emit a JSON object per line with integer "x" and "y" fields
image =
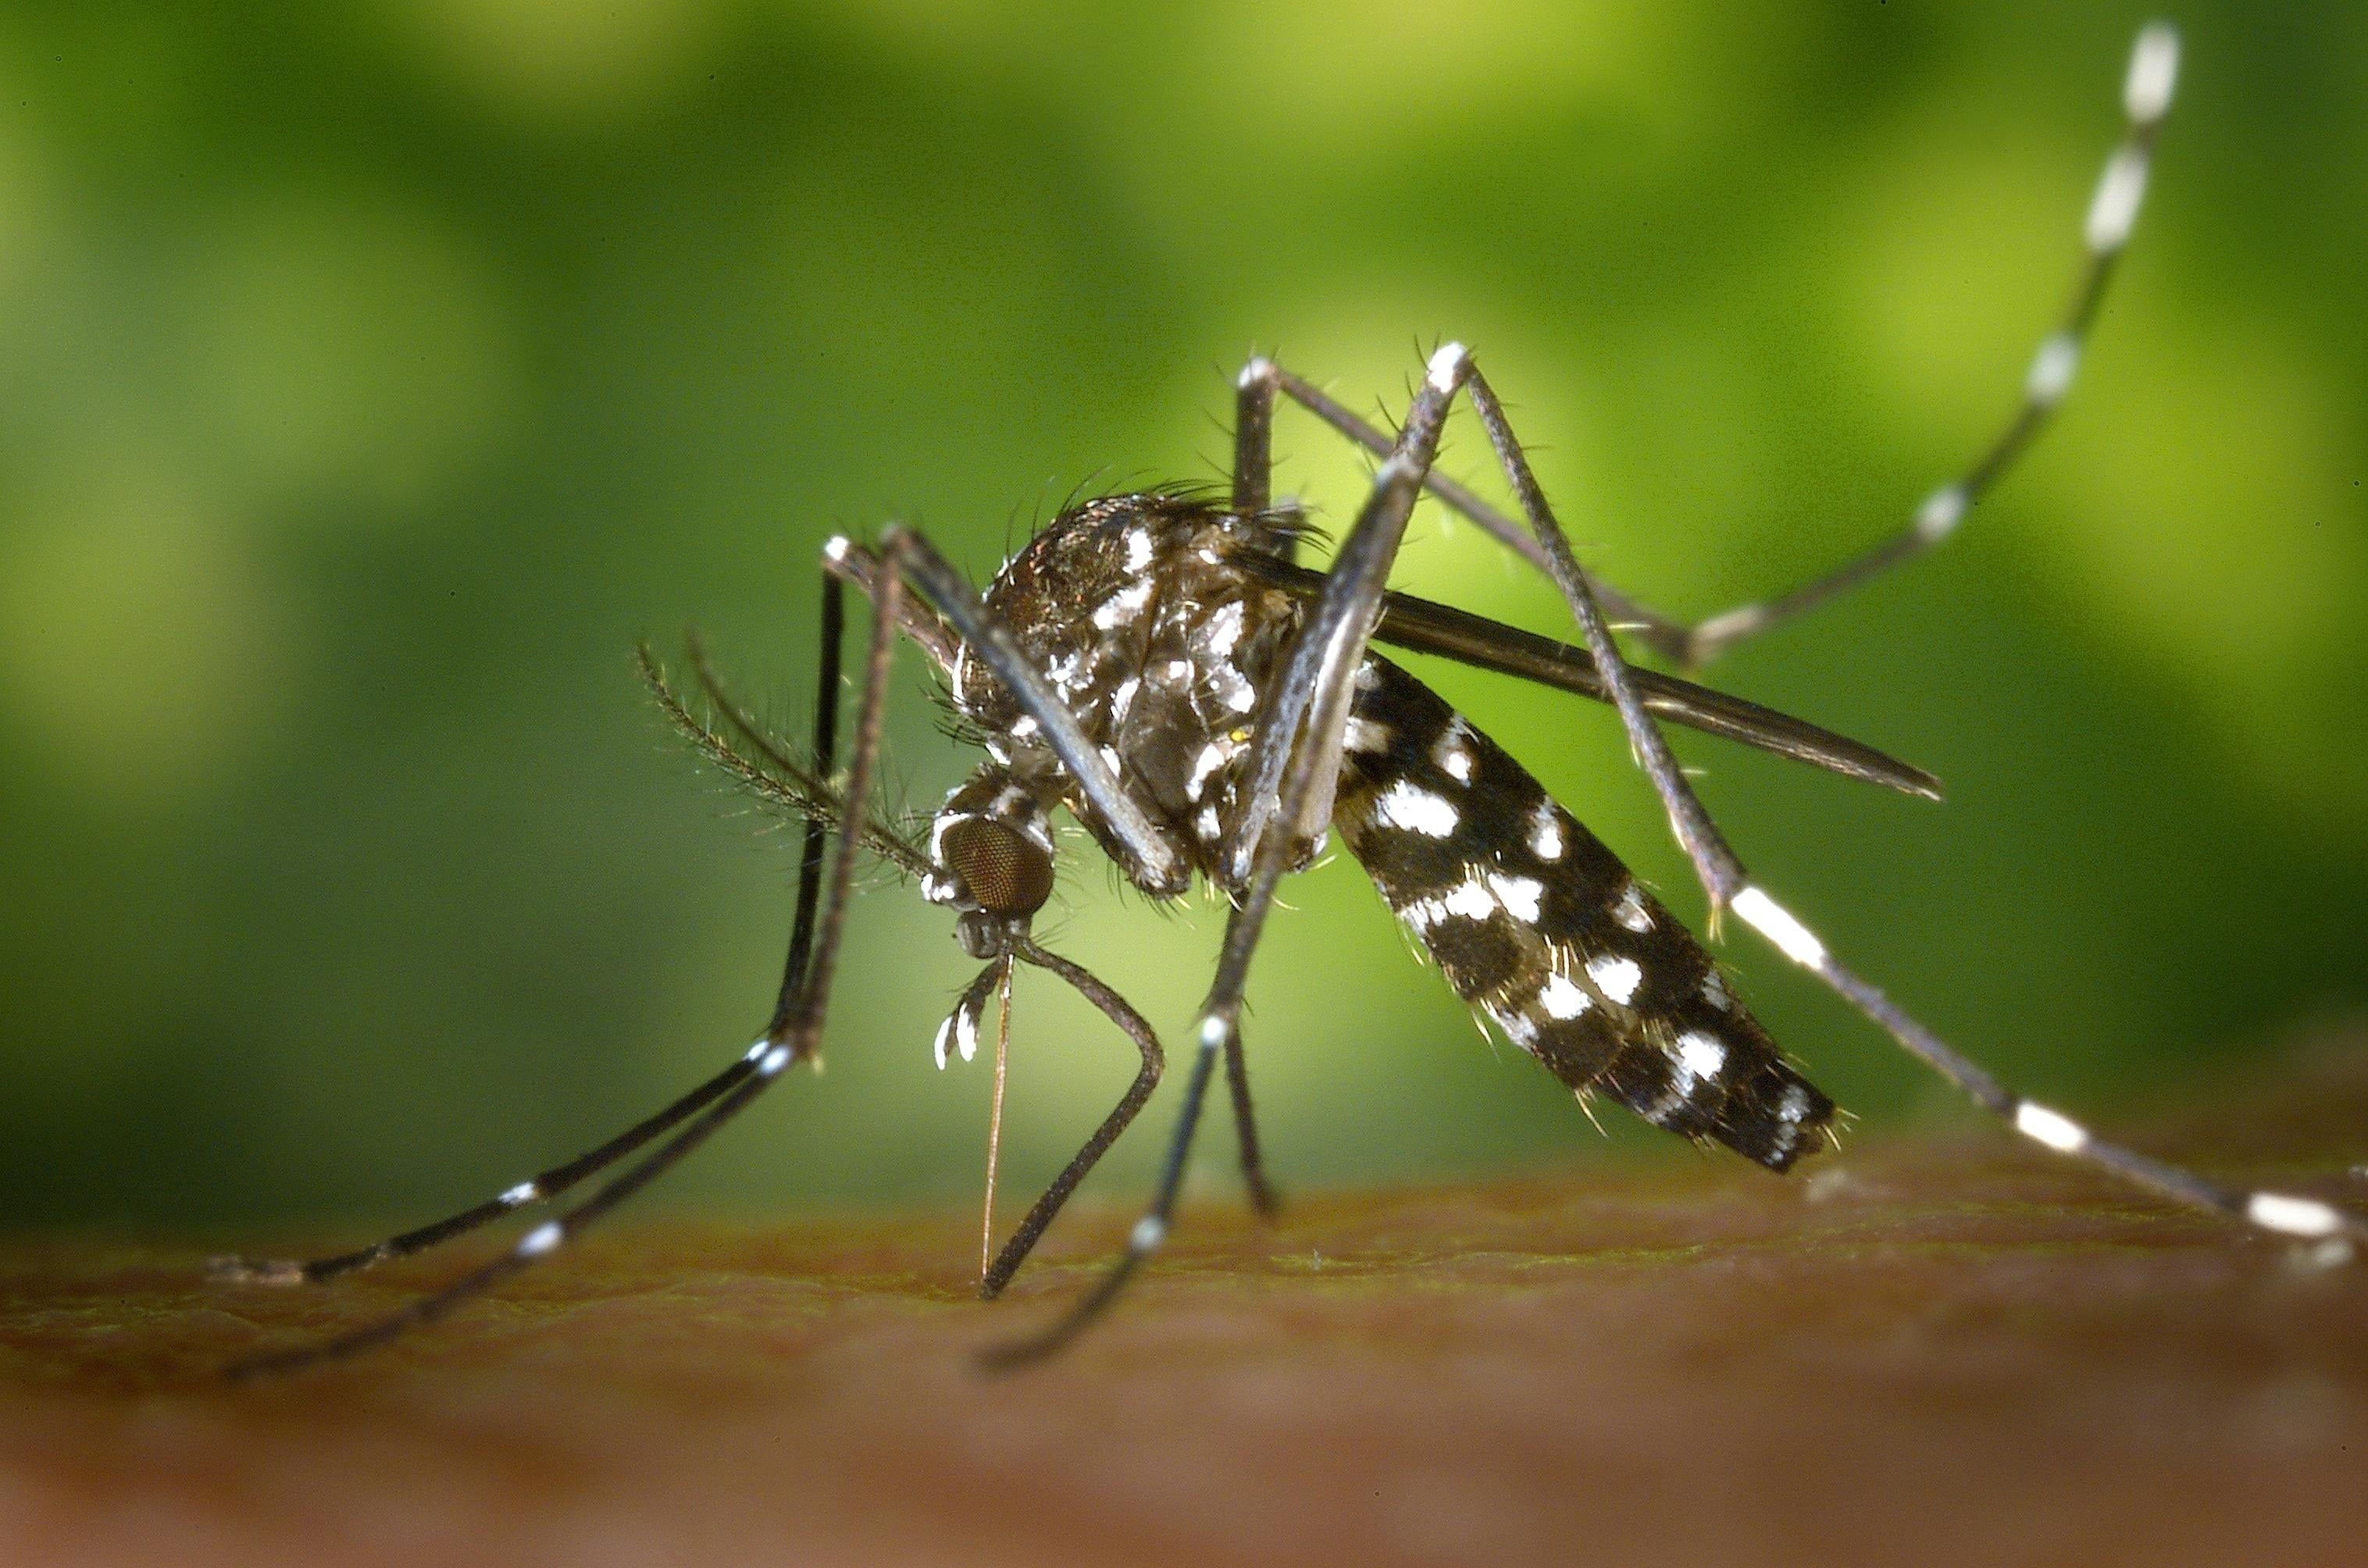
{"x": 1164, "y": 647}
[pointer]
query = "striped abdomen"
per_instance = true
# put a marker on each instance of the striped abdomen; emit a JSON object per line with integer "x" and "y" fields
{"x": 1534, "y": 921}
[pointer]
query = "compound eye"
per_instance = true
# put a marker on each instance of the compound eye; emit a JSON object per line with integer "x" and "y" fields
{"x": 1006, "y": 872}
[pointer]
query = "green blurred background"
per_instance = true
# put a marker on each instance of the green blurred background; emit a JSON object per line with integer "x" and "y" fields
{"x": 375, "y": 375}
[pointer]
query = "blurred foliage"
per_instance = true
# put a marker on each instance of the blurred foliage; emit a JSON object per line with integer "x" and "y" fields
{"x": 372, "y": 376}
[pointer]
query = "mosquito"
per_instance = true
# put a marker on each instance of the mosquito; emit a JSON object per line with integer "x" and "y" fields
{"x": 1158, "y": 666}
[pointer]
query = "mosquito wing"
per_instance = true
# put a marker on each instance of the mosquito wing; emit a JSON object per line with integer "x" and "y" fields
{"x": 1430, "y": 628}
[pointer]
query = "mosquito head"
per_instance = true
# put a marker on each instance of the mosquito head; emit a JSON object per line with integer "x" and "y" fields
{"x": 991, "y": 858}
{"x": 1008, "y": 876}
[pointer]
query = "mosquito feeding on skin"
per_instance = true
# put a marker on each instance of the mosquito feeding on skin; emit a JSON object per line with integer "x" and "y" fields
{"x": 1159, "y": 666}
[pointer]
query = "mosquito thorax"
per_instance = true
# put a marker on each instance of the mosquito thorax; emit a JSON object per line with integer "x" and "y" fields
{"x": 1163, "y": 648}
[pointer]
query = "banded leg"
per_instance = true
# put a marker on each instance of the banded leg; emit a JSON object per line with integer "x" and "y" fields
{"x": 2112, "y": 214}
{"x": 539, "y": 1188}
{"x": 1724, "y": 880}
{"x": 792, "y": 1038}
{"x": 1661, "y": 631}
{"x": 2146, "y": 89}
{"x": 1297, "y": 771}
{"x": 546, "y": 1185}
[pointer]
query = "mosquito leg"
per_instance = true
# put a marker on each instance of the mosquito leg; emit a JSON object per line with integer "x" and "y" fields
{"x": 550, "y": 1184}
{"x": 1729, "y": 886}
{"x": 1253, "y": 493}
{"x": 2285, "y": 1213}
{"x": 542, "y": 1186}
{"x": 792, "y": 1039}
{"x": 1253, "y": 487}
{"x": 536, "y": 1243}
{"x": 817, "y": 833}
{"x": 2113, "y": 213}
{"x": 1115, "y": 1008}
{"x": 1237, "y": 1081}
{"x": 1714, "y": 863}
{"x": 1663, "y": 634}
{"x": 1316, "y": 686}
{"x": 1149, "y": 1232}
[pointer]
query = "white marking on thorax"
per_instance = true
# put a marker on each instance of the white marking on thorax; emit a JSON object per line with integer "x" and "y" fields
{"x": 1630, "y": 911}
{"x": 1223, "y": 630}
{"x": 1124, "y": 604}
{"x": 1367, "y": 735}
{"x": 1234, "y": 688}
{"x": 1212, "y": 758}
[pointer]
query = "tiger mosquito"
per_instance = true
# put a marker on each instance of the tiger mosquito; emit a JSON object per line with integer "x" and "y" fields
{"x": 1159, "y": 666}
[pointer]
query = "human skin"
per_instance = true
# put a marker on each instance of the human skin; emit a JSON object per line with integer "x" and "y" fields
{"x": 1946, "y": 1346}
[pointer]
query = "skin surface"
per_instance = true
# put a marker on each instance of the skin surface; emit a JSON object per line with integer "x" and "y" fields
{"x": 1950, "y": 1349}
